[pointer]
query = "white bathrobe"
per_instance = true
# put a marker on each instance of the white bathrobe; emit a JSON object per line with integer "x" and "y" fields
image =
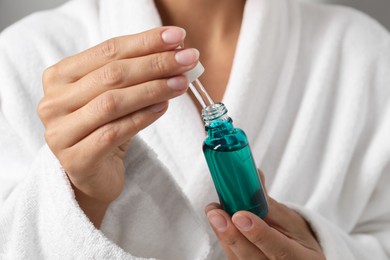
{"x": 310, "y": 85}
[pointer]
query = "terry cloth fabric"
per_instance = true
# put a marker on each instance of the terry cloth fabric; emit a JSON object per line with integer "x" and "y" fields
{"x": 309, "y": 85}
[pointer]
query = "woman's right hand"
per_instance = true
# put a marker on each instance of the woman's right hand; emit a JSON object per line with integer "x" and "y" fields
{"x": 96, "y": 101}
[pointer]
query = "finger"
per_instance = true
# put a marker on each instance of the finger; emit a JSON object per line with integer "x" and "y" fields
{"x": 110, "y": 106}
{"x": 271, "y": 242}
{"x": 290, "y": 223}
{"x": 100, "y": 143}
{"x": 279, "y": 215}
{"x": 231, "y": 238}
{"x": 274, "y": 211}
{"x": 129, "y": 72}
{"x": 129, "y": 46}
{"x": 282, "y": 218}
{"x": 229, "y": 254}
{"x": 211, "y": 206}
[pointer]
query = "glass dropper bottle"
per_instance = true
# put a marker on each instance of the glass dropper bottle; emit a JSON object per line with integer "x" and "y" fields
{"x": 228, "y": 155}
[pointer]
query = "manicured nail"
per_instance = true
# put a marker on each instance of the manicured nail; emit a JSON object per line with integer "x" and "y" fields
{"x": 173, "y": 35}
{"x": 187, "y": 57}
{"x": 178, "y": 83}
{"x": 218, "y": 221}
{"x": 157, "y": 108}
{"x": 242, "y": 222}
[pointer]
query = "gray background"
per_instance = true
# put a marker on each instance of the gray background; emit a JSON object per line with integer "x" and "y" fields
{"x": 13, "y": 10}
{"x": 379, "y": 9}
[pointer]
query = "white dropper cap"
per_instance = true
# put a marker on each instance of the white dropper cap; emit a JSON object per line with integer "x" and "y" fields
{"x": 196, "y": 87}
{"x": 195, "y": 73}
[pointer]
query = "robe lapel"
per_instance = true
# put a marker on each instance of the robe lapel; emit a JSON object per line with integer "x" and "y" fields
{"x": 254, "y": 96}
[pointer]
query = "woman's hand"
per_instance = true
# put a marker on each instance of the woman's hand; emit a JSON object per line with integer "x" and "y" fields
{"x": 96, "y": 101}
{"x": 283, "y": 234}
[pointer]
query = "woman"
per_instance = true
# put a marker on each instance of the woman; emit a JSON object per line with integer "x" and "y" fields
{"x": 310, "y": 79}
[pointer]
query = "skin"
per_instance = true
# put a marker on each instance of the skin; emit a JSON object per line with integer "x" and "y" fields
{"x": 96, "y": 101}
{"x": 283, "y": 234}
{"x": 213, "y": 28}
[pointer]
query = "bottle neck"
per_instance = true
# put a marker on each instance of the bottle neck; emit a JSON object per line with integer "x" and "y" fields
{"x": 216, "y": 119}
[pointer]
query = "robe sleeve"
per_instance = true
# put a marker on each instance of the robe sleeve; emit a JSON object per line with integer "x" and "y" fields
{"x": 353, "y": 219}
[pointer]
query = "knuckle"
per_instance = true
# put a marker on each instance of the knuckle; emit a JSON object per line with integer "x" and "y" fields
{"x": 230, "y": 241}
{"x": 112, "y": 74}
{"x": 152, "y": 91}
{"x": 45, "y": 109}
{"x": 51, "y": 139}
{"x": 159, "y": 63}
{"x": 50, "y": 108}
{"x": 49, "y": 135}
{"x": 257, "y": 238}
{"x": 49, "y": 75}
{"x": 136, "y": 122}
{"x": 106, "y": 104}
{"x": 284, "y": 254}
{"x": 109, "y": 48}
{"x": 109, "y": 133}
{"x": 42, "y": 109}
{"x": 145, "y": 42}
{"x": 67, "y": 162}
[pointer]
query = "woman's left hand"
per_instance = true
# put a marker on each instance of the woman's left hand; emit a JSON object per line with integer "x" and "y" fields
{"x": 283, "y": 234}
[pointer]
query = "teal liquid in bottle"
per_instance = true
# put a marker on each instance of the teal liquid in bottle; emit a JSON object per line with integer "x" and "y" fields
{"x": 228, "y": 155}
{"x": 231, "y": 164}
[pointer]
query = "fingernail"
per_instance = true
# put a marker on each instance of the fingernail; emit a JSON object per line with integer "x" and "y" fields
{"x": 187, "y": 57}
{"x": 218, "y": 222}
{"x": 173, "y": 35}
{"x": 242, "y": 222}
{"x": 157, "y": 108}
{"x": 178, "y": 83}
